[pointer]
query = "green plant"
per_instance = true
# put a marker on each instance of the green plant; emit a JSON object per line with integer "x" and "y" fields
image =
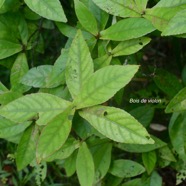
{"x": 64, "y": 100}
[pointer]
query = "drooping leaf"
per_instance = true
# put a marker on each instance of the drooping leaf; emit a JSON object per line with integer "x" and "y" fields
{"x": 19, "y": 69}
{"x": 116, "y": 124}
{"x": 119, "y": 8}
{"x": 27, "y": 107}
{"x": 65, "y": 151}
{"x": 85, "y": 166}
{"x": 9, "y": 128}
{"x": 86, "y": 18}
{"x": 177, "y": 130}
{"x": 176, "y": 24}
{"x": 126, "y": 29}
{"x": 103, "y": 84}
{"x": 8, "y": 48}
{"x": 126, "y": 168}
{"x": 155, "y": 179}
{"x": 102, "y": 158}
{"x": 79, "y": 66}
{"x": 54, "y": 135}
{"x": 48, "y": 9}
{"x": 26, "y": 148}
{"x": 149, "y": 161}
{"x": 130, "y": 46}
{"x": 178, "y": 103}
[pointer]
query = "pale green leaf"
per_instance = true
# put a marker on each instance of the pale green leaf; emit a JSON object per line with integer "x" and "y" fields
{"x": 1, "y": 3}
{"x": 65, "y": 151}
{"x": 117, "y": 125}
{"x": 130, "y": 46}
{"x": 9, "y": 96}
{"x": 104, "y": 83}
{"x": 102, "y": 61}
{"x": 119, "y": 8}
{"x": 50, "y": 9}
{"x": 9, "y": 128}
{"x": 126, "y": 29}
{"x": 160, "y": 16}
{"x": 37, "y": 76}
{"x": 54, "y": 135}
{"x": 27, "y": 107}
{"x": 8, "y": 48}
{"x": 86, "y": 18}
{"x": 19, "y": 69}
{"x": 176, "y": 25}
{"x": 26, "y": 148}
{"x": 126, "y": 168}
{"x": 171, "y": 3}
{"x": 178, "y": 103}
{"x": 85, "y": 166}
{"x": 149, "y": 161}
{"x": 79, "y": 66}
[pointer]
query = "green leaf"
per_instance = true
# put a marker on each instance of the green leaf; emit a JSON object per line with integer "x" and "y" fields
{"x": 116, "y": 124}
{"x": 149, "y": 161}
{"x": 160, "y": 16}
{"x": 26, "y": 148}
{"x": 85, "y": 166}
{"x": 103, "y": 84}
{"x": 1, "y": 3}
{"x": 65, "y": 151}
{"x": 177, "y": 130}
{"x": 9, "y": 96}
{"x": 70, "y": 164}
{"x": 9, "y": 128}
{"x": 178, "y": 103}
{"x": 171, "y": 3}
{"x": 19, "y": 69}
{"x": 176, "y": 25}
{"x": 54, "y": 135}
{"x": 126, "y": 168}
{"x": 166, "y": 153}
{"x": 79, "y": 66}
{"x": 37, "y": 76}
{"x": 102, "y": 61}
{"x": 167, "y": 82}
{"x": 137, "y": 148}
{"x": 8, "y": 48}
{"x": 144, "y": 114}
{"x": 3, "y": 89}
{"x": 86, "y": 18}
{"x": 126, "y": 29}
{"x": 48, "y": 9}
{"x": 155, "y": 179}
{"x": 130, "y": 46}
{"x": 46, "y": 105}
{"x": 118, "y": 7}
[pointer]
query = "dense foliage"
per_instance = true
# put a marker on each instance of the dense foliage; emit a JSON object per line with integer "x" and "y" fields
{"x": 92, "y": 92}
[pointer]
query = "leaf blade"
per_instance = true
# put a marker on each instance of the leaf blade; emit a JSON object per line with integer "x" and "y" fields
{"x": 48, "y": 9}
{"x": 103, "y": 84}
{"x": 116, "y": 124}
